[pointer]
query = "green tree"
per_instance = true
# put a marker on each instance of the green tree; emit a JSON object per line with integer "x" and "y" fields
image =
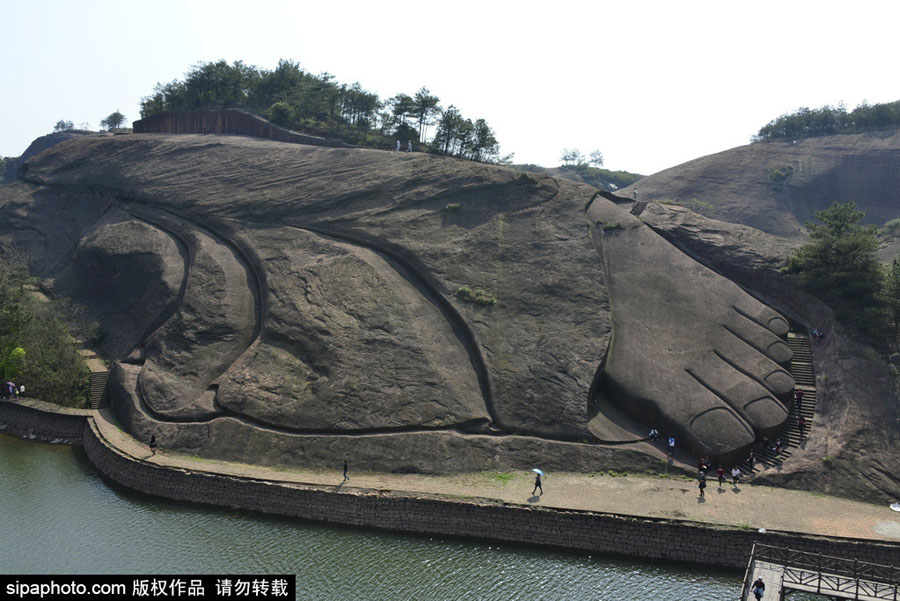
{"x": 402, "y": 107}
{"x": 425, "y": 107}
{"x": 596, "y": 158}
{"x": 15, "y": 363}
{"x": 448, "y": 124}
{"x": 485, "y": 147}
{"x": 63, "y": 126}
{"x": 840, "y": 266}
{"x": 113, "y": 121}
{"x": 571, "y": 156}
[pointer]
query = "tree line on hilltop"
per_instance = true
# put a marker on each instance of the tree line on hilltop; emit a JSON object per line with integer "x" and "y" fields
{"x": 806, "y": 122}
{"x": 318, "y": 104}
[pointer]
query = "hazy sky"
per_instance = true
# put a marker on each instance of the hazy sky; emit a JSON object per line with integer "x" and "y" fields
{"x": 650, "y": 84}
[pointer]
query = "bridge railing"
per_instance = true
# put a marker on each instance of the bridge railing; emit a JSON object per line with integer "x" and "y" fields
{"x": 850, "y": 577}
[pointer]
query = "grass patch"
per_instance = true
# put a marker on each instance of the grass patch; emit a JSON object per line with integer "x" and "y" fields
{"x": 503, "y": 477}
{"x": 699, "y": 205}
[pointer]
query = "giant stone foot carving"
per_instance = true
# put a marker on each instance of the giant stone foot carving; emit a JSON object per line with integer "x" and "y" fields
{"x": 691, "y": 353}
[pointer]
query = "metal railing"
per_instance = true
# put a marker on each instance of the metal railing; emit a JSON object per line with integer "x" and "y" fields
{"x": 825, "y": 574}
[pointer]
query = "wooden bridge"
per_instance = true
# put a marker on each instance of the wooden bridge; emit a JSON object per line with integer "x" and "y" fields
{"x": 783, "y": 570}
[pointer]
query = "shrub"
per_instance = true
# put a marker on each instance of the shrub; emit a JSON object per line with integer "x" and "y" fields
{"x": 477, "y": 296}
{"x": 700, "y": 205}
{"x": 779, "y": 174}
{"x": 281, "y": 113}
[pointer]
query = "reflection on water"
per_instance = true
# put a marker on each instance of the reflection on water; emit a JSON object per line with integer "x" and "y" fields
{"x": 58, "y": 516}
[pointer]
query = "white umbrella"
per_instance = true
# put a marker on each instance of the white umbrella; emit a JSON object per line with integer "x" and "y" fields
{"x": 895, "y": 506}
{"x": 537, "y": 471}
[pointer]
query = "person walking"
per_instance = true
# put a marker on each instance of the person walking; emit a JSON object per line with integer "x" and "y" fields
{"x": 720, "y": 472}
{"x": 759, "y": 588}
{"x": 735, "y": 475}
{"x": 702, "y": 486}
{"x": 537, "y": 484}
{"x": 346, "y": 471}
{"x": 152, "y": 444}
{"x": 704, "y": 464}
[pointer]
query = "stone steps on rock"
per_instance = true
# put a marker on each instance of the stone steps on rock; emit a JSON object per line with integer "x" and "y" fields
{"x": 791, "y": 436}
{"x": 99, "y": 397}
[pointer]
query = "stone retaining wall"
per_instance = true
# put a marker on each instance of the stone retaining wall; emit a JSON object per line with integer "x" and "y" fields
{"x": 44, "y": 421}
{"x": 643, "y": 538}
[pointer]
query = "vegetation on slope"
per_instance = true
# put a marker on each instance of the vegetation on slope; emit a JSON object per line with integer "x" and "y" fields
{"x": 320, "y": 105}
{"x": 36, "y": 339}
{"x": 827, "y": 120}
{"x": 840, "y": 266}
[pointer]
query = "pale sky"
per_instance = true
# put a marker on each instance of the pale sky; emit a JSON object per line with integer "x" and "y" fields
{"x": 651, "y": 84}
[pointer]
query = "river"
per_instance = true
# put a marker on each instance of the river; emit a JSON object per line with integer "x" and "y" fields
{"x": 57, "y": 515}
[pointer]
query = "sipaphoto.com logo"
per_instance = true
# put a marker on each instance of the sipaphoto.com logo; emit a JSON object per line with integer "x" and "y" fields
{"x": 54, "y": 589}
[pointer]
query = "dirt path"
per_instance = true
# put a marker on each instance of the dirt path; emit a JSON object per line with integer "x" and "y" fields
{"x": 746, "y": 506}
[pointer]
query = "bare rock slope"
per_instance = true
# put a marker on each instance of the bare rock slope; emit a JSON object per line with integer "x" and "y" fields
{"x": 778, "y": 186}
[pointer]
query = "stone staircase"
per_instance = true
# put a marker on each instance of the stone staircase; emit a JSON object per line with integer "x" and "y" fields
{"x": 99, "y": 376}
{"x": 791, "y": 435}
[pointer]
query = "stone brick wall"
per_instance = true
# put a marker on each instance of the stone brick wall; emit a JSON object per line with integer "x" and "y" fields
{"x": 29, "y": 417}
{"x": 642, "y": 538}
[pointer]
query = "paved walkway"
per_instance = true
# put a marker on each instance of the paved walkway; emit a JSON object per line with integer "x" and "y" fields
{"x": 747, "y": 506}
